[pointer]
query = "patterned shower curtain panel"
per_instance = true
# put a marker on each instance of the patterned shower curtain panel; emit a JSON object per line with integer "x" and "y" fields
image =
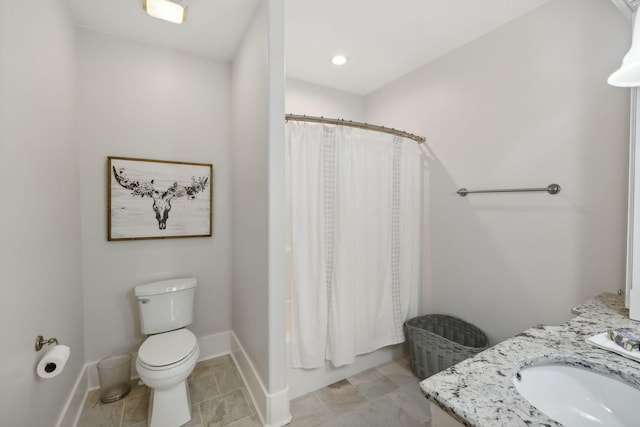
{"x": 355, "y": 204}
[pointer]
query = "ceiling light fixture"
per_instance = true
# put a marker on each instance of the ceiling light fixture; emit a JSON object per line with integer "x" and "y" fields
{"x": 339, "y": 60}
{"x": 172, "y": 11}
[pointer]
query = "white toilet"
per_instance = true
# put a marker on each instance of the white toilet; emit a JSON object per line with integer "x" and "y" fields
{"x": 167, "y": 357}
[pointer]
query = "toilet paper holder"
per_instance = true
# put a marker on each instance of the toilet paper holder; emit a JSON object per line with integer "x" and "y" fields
{"x": 41, "y": 341}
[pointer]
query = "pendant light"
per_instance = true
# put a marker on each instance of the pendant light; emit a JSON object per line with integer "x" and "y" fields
{"x": 628, "y": 75}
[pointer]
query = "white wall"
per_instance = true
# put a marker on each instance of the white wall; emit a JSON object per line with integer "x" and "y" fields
{"x": 250, "y": 192}
{"x": 526, "y": 105}
{"x": 258, "y": 303}
{"x": 314, "y": 100}
{"x": 142, "y": 101}
{"x": 258, "y": 207}
{"x": 40, "y": 243}
{"x": 277, "y": 211}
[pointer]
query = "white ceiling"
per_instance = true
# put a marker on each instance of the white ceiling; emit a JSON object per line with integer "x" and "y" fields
{"x": 214, "y": 28}
{"x": 383, "y": 39}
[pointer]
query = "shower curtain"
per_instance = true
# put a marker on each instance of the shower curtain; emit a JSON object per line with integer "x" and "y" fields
{"x": 355, "y": 222}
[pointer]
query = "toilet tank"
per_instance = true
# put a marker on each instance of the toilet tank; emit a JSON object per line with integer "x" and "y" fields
{"x": 166, "y": 305}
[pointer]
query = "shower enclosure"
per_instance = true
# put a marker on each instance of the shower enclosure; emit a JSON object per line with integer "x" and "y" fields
{"x": 354, "y": 227}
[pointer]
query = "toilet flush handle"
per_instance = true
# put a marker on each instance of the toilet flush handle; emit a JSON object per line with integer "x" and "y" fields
{"x": 144, "y": 300}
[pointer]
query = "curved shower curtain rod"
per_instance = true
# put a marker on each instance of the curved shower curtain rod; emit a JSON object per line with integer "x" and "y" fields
{"x": 342, "y": 122}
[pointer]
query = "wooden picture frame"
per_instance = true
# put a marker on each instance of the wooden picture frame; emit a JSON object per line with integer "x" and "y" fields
{"x": 158, "y": 199}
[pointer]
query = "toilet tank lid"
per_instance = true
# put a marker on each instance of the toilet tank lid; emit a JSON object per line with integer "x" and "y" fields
{"x": 165, "y": 286}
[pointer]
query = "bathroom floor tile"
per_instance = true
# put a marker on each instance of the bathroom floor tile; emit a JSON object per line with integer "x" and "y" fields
{"x": 384, "y": 413}
{"x": 211, "y": 366}
{"x": 247, "y": 397}
{"x": 137, "y": 389}
{"x": 350, "y": 419}
{"x": 102, "y": 414}
{"x": 135, "y": 410}
{"x": 399, "y": 372}
{"x": 228, "y": 380}
{"x": 413, "y": 402}
{"x": 309, "y": 411}
{"x": 203, "y": 388}
{"x": 251, "y": 421}
{"x": 196, "y": 419}
{"x": 341, "y": 397}
{"x": 372, "y": 384}
{"x": 400, "y": 405}
{"x": 405, "y": 362}
{"x": 220, "y": 399}
{"x": 93, "y": 400}
{"x": 225, "y": 409}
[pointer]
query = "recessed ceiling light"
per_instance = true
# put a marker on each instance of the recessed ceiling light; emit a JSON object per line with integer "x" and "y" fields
{"x": 166, "y": 10}
{"x": 339, "y": 60}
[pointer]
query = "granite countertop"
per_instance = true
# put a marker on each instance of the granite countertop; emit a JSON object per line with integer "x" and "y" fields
{"x": 479, "y": 391}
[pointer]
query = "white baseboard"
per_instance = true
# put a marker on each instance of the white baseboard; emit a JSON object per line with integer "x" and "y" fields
{"x": 303, "y": 381}
{"x": 215, "y": 345}
{"x": 273, "y": 408}
{"x": 73, "y": 408}
{"x": 210, "y": 346}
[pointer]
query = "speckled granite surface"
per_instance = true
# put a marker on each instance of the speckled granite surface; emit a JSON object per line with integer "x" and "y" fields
{"x": 480, "y": 392}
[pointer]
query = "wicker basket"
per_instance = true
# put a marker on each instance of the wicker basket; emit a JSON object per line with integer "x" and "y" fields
{"x": 438, "y": 341}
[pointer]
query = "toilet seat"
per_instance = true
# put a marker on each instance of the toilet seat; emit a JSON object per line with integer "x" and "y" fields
{"x": 167, "y": 350}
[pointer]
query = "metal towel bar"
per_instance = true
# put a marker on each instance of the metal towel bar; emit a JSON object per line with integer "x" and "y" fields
{"x": 551, "y": 189}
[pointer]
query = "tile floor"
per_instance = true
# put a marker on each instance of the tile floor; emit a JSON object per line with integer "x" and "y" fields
{"x": 385, "y": 396}
{"x": 218, "y": 396}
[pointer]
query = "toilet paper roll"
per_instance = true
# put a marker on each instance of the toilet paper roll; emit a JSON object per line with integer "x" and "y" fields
{"x": 53, "y": 362}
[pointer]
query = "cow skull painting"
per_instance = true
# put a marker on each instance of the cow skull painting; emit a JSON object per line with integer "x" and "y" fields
{"x": 156, "y": 182}
{"x": 161, "y": 199}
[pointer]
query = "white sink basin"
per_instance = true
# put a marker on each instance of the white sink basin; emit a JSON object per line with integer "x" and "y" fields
{"x": 579, "y": 397}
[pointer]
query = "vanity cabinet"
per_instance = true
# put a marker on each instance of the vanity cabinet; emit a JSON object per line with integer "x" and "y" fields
{"x": 632, "y": 295}
{"x": 440, "y": 418}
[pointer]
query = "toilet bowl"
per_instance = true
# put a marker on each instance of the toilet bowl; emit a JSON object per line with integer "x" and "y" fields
{"x": 164, "y": 363}
{"x": 169, "y": 354}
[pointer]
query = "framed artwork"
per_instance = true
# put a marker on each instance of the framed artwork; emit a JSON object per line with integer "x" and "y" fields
{"x": 157, "y": 199}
